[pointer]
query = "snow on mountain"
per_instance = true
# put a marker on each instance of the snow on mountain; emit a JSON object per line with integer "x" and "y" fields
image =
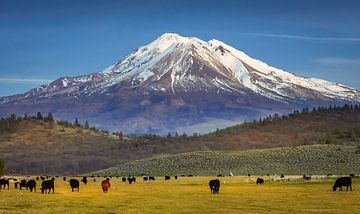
{"x": 182, "y": 76}
{"x": 236, "y": 71}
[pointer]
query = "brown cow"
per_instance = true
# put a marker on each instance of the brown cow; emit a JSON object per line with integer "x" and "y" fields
{"x": 105, "y": 184}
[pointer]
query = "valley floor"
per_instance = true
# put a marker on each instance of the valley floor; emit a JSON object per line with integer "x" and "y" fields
{"x": 188, "y": 195}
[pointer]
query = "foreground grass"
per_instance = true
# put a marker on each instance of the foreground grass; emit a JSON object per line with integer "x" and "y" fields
{"x": 187, "y": 195}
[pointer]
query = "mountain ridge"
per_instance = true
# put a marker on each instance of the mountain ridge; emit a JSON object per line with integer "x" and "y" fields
{"x": 175, "y": 82}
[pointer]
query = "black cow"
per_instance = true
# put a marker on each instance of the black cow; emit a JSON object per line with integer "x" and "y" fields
{"x": 16, "y": 183}
{"x": 84, "y": 180}
{"x": 219, "y": 175}
{"x": 131, "y": 179}
{"x": 167, "y": 177}
{"x": 64, "y": 178}
{"x": 307, "y": 177}
{"x": 259, "y": 181}
{"x": 23, "y": 183}
{"x": 175, "y": 177}
{"x": 343, "y": 181}
{"x": 74, "y": 184}
{"x": 42, "y": 178}
{"x": 145, "y": 178}
{"x": 37, "y": 178}
{"x": 47, "y": 185}
{"x": 94, "y": 180}
{"x": 123, "y": 179}
{"x": 151, "y": 178}
{"x": 3, "y": 183}
{"x": 214, "y": 186}
{"x": 282, "y": 176}
{"x": 31, "y": 184}
{"x": 352, "y": 175}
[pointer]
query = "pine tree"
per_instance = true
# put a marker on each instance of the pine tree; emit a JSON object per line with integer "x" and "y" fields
{"x": 39, "y": 116}
{"x": 76, "y": 123}
{"x": 50, "y": 117}
{"x": 86, "y": 125}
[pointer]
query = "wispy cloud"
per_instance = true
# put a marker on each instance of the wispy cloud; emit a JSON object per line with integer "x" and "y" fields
{"x": 310, "y": 38}
{"x": 24, "y": 81}
{"x": 339, "y": 61}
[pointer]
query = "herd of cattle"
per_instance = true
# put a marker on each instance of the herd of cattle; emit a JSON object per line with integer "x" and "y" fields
{"x": 48, "y": 183}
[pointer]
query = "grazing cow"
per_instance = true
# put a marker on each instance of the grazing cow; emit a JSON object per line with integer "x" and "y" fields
{"x": 105, "y": 184}
{"x": 259, "y": 181}
{"x": 3, "y": 183}
{"x": 31, "y": 184}
{"x": 74, "y": 184}
{"x": 145, "y": 178}
{"x": 84, "y": 180}
{"x": 42, "y": 178}
{"x": 167, "y": 177}
{"x": 151, "y": 178}
{"x": 94, "y": 180}
{"x": 343, "y": 181}
{"x": 131, "y": 179}
{"x": 37, "y": 178}
{"x": 64, "y": 178}
{"x": 282, "y": 176}
{"x": 123, "y": 179}
{"x": 352, "y": 175}
{"x": 214, "y": 186}
{"x": 175, "y": 177}
{"x": 248, "y": 175}
{"x": 219, "y": 175}
{"x": 47, "y": 185}
{"x": 190, "y": 175}
{"x": 23, "y": 183}
{"x": 16, "y": 183}
{"x": 307, "y": 177}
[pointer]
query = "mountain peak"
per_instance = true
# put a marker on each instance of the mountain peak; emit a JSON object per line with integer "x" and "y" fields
{"x": 183, "y": 76}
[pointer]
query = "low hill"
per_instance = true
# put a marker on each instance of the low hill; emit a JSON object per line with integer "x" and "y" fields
{"x": 37, "y": 146}
{"x": 315, "y": 159}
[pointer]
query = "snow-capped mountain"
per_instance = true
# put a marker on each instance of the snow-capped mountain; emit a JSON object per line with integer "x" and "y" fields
{"x": 175, "y": 83}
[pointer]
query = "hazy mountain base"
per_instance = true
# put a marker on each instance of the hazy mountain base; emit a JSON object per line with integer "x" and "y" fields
{"x": 315, "y": 159}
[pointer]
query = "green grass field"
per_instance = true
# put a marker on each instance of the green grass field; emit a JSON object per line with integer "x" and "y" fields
{"x": 187, "y": 195}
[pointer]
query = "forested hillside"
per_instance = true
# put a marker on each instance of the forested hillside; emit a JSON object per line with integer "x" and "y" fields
{"x": 40, "y": 145}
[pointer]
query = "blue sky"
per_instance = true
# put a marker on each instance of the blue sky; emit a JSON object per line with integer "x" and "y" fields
{"x": 41, "y": 40}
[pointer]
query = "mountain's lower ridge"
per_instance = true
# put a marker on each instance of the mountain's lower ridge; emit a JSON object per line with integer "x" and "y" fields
{"x": 175, "y": 83}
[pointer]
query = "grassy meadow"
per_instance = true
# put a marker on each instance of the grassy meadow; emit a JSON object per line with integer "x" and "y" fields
{"x": 238, "y": 194}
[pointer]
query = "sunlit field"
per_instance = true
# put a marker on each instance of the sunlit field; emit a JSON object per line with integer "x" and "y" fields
{"x": 187, "y": 195}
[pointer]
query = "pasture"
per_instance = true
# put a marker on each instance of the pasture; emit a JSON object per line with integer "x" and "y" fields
{"x": 238, "y": 194}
